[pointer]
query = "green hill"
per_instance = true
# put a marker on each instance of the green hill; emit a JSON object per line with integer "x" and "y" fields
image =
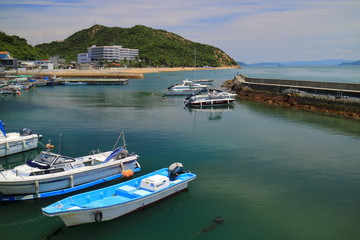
{"x": 156, "y": 47}
{"x": 19, "y": 48}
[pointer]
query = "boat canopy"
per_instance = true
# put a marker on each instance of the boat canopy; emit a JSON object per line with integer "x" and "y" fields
{"x": 2, "y": 129}
{"x": 113, "y": 154}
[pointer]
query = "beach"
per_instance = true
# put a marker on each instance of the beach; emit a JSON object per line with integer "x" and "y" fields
{"x": 111, "y": 72}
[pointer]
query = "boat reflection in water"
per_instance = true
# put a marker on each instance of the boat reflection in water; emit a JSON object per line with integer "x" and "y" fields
{"x": 213, "y": 112}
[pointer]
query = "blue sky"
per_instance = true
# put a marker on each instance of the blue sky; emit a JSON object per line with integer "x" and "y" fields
{"x": 248, "y": 30}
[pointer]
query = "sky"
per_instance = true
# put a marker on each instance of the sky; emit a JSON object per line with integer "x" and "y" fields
{"x": 250, "y": 31}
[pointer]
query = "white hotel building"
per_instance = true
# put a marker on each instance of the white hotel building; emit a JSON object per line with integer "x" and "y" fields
{"x": 113, "y": 53}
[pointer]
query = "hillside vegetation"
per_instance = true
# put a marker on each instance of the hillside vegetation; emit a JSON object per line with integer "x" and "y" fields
{"x": 19, "y": 48}
{"x": 156, "y": 47}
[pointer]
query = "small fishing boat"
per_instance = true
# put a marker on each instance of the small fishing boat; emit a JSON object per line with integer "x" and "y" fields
{"x": 214, "y": 97}
{"x": 15, "y": 142}
{"x": 52, "y": 174}
{"x": 10, "y": 90}
{"x": 119, "y": 199}
{"x": 185, "y": 88}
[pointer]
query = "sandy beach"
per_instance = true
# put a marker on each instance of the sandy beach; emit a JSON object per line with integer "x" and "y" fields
{"x": 111, "y": 72}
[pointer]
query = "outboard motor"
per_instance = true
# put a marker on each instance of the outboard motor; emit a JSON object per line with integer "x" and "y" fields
{"x": 25, "y": 132}
{"x": 175, "y": 170}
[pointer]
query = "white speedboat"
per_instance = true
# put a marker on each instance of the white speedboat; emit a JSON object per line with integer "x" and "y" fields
{"x": 117, "y": 200}
{"x": 185, "y": 88}
{"x": 52, "y": 174}
{"x": 15, "y": 142}
{"x": 203, "y": 81}
{"x": 214, "y": 97}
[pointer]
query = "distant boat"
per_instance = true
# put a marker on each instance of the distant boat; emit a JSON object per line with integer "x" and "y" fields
{"x": 117, "y": 200}
{"x": 185, "y": 88}
{"x": 214, "y": 97}
{"x": 52, "y": 174}
{"x": 15, "y": 142}
{"x": 203, "y": 81}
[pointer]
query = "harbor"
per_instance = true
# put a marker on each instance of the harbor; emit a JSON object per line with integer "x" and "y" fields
{"x": 282, "y": 170}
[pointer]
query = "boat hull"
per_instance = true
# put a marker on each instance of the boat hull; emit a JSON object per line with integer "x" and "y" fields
{"x": 56, "y": 181}
{"x": 10, "y": 146}
{"x": 211, "y": 103}
{"x": 112, "y": 212}
{"x": 181, "y": 93}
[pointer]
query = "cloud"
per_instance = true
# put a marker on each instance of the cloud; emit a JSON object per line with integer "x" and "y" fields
{"x": 245, "y": 29}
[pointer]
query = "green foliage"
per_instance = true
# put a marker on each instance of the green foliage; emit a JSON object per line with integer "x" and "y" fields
{"x": 156, "y": 47}
{"x": 19, "y": 48}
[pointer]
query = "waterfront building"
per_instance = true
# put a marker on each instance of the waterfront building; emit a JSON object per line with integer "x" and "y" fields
{"x": 6, "y": 60}
{"x": 113, "y": 53}
{"x": 83, "y": 58}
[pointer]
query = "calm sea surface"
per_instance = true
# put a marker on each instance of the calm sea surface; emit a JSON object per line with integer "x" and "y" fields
{"x": 270, "y": 172}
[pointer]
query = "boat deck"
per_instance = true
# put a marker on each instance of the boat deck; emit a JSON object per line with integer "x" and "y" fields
{"x": 113, "y": 195}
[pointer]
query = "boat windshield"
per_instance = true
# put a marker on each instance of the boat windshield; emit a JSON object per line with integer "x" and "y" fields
{"x": 44, "y": 158}
{"x": 63, "y": 159}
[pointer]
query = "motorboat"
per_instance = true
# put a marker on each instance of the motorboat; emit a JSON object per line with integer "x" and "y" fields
{"x": 52, "y": 174}
{"x": 117, "y": 200}
{"x": 15, "y": 142}
{"x": 10, "y": 90}
{"x": 214, "y": 97}
{"x": 187, "y": 87}
{"x": 203, "y": 81}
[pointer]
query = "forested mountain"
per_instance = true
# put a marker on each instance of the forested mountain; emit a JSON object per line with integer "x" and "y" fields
{"x": 156, "y": 47}
{"x": 19, "y": 48}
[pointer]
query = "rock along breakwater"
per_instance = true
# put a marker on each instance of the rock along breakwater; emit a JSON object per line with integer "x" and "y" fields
{"x": 340, "y": 99}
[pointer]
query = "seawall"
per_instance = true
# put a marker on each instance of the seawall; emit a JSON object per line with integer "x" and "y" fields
{"x": 341, "y": 99}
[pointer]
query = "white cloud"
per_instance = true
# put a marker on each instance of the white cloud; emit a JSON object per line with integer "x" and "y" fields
{"x": 247, "y": 30}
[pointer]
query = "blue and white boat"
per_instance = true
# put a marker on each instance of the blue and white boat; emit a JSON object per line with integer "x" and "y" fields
{"x": 15, "y": 142}
{"x": 117, "y": 200}
{"x": 51, "y": 174}
{"x": 185, "y": 88}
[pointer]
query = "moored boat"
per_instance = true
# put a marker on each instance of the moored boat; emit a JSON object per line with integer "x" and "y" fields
{"x": 15, "y": 142}
{"x": 52, "y": 174}
{"x": 203, "y": 81}
{"x": 119, "y": 199}
{"x": 214, "y": 97}
{"x": 185, "y": 88}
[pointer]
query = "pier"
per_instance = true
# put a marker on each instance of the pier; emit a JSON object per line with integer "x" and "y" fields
{"x": 341, "y": 99}
{"x": 93, "y": 81}
{"x": 331, "y": 88}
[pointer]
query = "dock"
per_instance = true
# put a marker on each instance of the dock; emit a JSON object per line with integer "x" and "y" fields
{"x": 94, "y": 81}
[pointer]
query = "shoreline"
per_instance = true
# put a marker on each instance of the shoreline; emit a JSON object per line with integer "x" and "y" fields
{"x": 135, "y": 73}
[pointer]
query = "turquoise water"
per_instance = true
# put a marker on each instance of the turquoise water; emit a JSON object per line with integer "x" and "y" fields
{"x": 270, "y": 172}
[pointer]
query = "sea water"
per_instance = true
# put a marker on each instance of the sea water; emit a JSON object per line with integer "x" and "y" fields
{"x": 269, "y": 172}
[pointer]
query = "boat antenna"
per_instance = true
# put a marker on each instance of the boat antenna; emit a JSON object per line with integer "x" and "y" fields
{"x": 123, "y": 138}
{"x": 60, "y": 142}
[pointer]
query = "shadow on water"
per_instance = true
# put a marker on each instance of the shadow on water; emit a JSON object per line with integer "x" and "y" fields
{"x": 336, "y": 125}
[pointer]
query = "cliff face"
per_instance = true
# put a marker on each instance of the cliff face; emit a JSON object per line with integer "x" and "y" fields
{"x": 337, "y": 105}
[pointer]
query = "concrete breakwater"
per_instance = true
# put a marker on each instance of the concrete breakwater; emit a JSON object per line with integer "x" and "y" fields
{"x": 342, "y": 99}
